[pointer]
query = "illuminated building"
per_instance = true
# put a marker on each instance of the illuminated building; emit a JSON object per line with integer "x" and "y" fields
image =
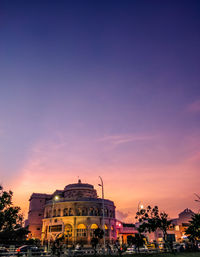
{"x": 125, "y": 230}
{"x": 74, "y": 213}
{"x": 181, "y": 224}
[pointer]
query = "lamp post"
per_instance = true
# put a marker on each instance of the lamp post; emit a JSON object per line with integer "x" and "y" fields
{"x": 55, "y": 198}
{"x": 104, "y": 240}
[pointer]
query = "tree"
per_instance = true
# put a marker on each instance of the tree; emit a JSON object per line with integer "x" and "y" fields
{"x": 98, "y": 234}
{"x": 198, "y": 198}
{"x": 193, "y": 230}
{"x": 151, "y": 219}
{"x": 138, "y": 240}
{"x": 11, "y": 229}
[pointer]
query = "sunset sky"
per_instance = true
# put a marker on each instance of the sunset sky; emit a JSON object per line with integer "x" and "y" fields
{"x": 101, "y": 88}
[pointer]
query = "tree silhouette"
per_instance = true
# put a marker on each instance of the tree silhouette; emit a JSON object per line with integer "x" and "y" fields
{"x": 151, "y": 219}
{"x": 10, "y": 219}
{"x": 198, "y": 198}
{"x": 98, "y": 234}
{"x": 193, "y": 231}
{"x": 138, "y": 240}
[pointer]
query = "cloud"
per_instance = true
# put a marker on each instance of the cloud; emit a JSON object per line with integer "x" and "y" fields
{"x": 125, "y": 216}
{"x": 125, "y": 138}
{"x": 194, "y": 107}
{"x": 121, "y": 215}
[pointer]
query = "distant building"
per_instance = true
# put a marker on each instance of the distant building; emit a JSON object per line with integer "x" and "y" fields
{"x": 181, "y": 223}
{"x": 176, "y": 232}
{"x": 74, "y": 213}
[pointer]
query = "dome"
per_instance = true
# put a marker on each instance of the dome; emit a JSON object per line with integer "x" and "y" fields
{"x": 79, "y": 190}
{"x": 78, "y": 186}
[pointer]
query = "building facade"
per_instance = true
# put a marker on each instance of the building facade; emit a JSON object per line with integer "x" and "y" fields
{"x": 176, "y": 231}
{"x": 73, "y": 213}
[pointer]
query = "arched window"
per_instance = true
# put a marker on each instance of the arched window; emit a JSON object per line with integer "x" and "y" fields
{"x": 106, "y": 230}
{"x": 81, "y": 230}
{"x": 70, "y": 212}
{"x": 58, "y": 214}
{"x": 112, "y": 230}
{"x": 91, "y": 212}
{"x": 92, "y": 229}
{"x": 106, "y": 212}
{"x": 54, "y": 213}
{"x": 94, "y": 226}
{"x": 95, "y": 212}
{"x": 78, "y": 211}
{"x": 68, "y": 231}
{"x": 84, "y": 212}
{"x": 65, "y": 212}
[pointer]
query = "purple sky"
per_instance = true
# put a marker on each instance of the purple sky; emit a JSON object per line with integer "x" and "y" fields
{"x": 108, "y": 88}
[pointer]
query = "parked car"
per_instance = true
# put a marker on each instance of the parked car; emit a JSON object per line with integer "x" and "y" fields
{"x": 26, "y": 248}
{"x": 131, "y": 250}
{"x": 3, "y": 251}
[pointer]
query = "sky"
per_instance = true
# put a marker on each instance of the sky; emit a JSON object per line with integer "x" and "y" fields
{"x": 101, "y": 88}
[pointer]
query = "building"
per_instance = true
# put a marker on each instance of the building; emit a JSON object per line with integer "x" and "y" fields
{"x": 180, "y": 224}
{"x": 176, "y": 232}
{"x": 36, "y": 214}
{"x": 125, "y": 231}
{"x": 74, "y": 213}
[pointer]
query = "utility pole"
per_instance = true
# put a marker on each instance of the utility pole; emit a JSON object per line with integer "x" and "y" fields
{"x": 104, "y": 239}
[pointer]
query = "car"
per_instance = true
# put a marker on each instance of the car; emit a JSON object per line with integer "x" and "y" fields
{"x": 142, "y": 249}
{"x": 130, "y": 250}
{"x": 3, "y": 251}
{"x": 29, "y": 248}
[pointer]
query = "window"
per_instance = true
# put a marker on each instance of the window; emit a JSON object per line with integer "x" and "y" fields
{"x": 84, "y": 212}
{"x": 58, "y": 214}
{"x": 68, "y": 231}
{"x": 54, "y": 213}
{"x": 55, "y": 228}
{"x": 81, "y": 230}
{"x": 38, "y": 228}
{"x": 112, "y": 230}
{"x": 92, "y": 229}
{"x": 91, "y": 212}
{"x": 70, "y": 212}
{"x": 65, "y": 212}
{"x": 78, "y": 212}
{"x": 106, "y": 230}
{"x": 177, "y": 228}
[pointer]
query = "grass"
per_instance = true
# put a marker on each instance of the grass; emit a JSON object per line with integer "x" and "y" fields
{"x": 187, "y": 254}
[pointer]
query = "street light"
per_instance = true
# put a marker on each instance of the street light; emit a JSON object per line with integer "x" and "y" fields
{"x": 140, "y": 206}
{"x": 101, "y": 185}
{"x": 54, "y": 199}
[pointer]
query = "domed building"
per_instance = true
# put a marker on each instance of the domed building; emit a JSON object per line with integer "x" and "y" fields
{"x": 73, "y": 213}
